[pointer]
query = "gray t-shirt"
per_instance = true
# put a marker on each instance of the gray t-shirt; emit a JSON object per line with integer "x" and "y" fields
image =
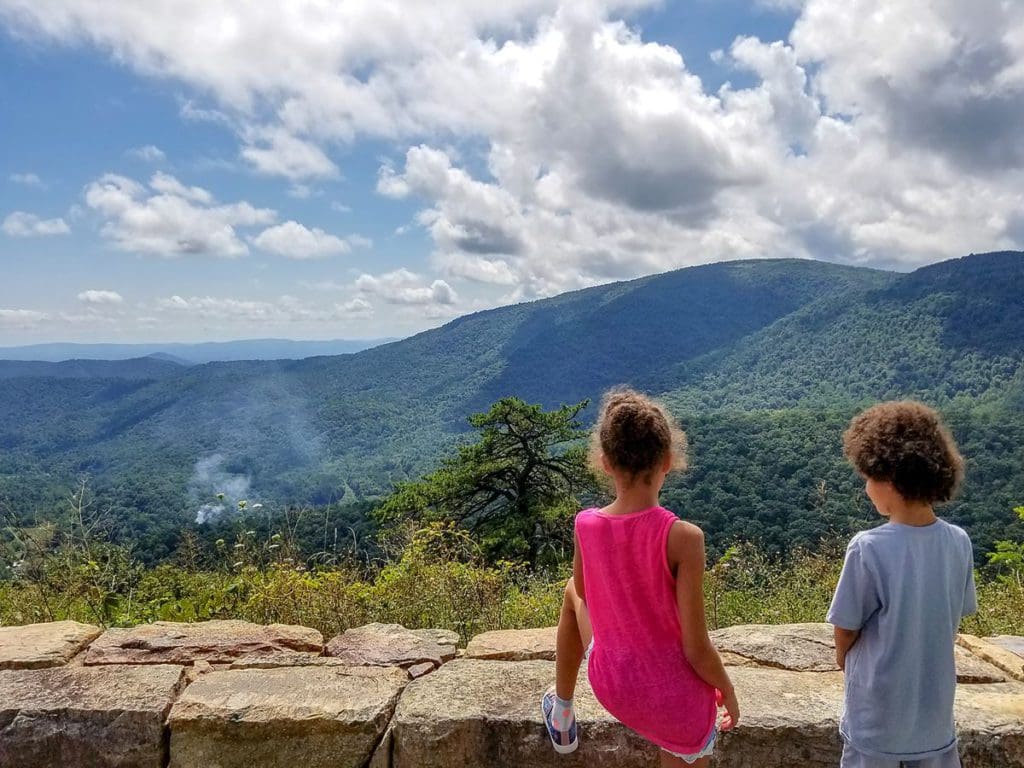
{"x": 905, "y": 588}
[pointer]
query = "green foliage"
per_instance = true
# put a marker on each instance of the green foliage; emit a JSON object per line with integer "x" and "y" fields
{"x": 437, "y": 578}
{"x": 748, "y": 586}
{"x": 1008, "y": 561}
{"x": 763, "y": 361}
{"x": 515, "y": 487}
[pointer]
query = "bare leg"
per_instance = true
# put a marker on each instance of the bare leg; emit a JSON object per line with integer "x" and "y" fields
{"x": 671, "y": 761}
{"x": 574, "y": 634}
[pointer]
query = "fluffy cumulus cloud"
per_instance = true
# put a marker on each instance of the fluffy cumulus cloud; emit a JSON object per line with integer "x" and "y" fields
{"x": 168, "y": 218}
{"x": 100, "y": 298}
{"x": 21, "y": 224}
{"x": 548, "y": 145}
{"x": 294, "y": 241}
{"x": 405, "y": 288}
{"x": 275, "y": 151}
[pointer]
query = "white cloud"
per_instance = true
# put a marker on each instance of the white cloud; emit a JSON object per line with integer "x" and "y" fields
{"x": 477, "y": 268}
{"x": 169, "y": 218}
{"x": 283, "y": 310}
{"x": 274, "y": 151}
{"x": 170, "y": 186}
{"x": 21, "y": 224}
{"x": 357, "y": 307}
{"x": 147, "y": 153}
{"x": 943, "y": 77}
{"x": 403, "y": 287}
{"x": 100, "y": 298}
{"x": 21, "y": 319}
{"x": 294, "y": 241}
{"x": 28, "y": 179}
{"x": 881, "y": 132}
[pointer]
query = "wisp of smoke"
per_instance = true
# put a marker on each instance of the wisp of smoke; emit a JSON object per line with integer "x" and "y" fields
{"x": 211, "y": 481}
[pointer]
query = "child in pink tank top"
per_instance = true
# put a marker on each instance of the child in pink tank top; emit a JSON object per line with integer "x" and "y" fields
{"x": 634, "y": 607}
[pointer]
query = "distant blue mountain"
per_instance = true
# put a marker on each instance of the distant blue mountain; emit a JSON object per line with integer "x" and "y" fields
{"x": 192, "y": 354}
{"x": 136, "y": 369}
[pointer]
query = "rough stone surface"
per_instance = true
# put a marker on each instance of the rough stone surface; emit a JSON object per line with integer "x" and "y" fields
{"x": 798, "y": 647}
{"x": 382, "y": 754}
{"x": 82, "y": 717}
{"x": 218, "y": 642}
{"x": 985, "y": 649}
{"x": 445, "y": 638}
{"x": 262, "y": 702}
{"x": 490, "y": 717}
{"x": 970, "y": 670}
{"x": 313, "y": 716}
{"x": 1012, "y": 643}
{"x": 514, "y": 645}
{"x": 37, "y": 646}
{"x": 384, "y": 645}
{"x": 811, "y": 648}
{"x": 990, "y": 720}
{"x": 474, "y": 713}
{"x": 419, "y": 670}
{"x": 788, "y": 719}
{"x": 287, "y": 660}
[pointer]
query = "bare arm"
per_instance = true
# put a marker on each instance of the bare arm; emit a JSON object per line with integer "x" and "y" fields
{"x": 686, "y": 555}
{"x": 577, "y": 569}
{"x": 845, "y": 638}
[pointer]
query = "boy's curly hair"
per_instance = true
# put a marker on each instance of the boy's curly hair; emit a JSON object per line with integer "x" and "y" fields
{"x": 635, "y": 433}
{"x": 907, "y": 444}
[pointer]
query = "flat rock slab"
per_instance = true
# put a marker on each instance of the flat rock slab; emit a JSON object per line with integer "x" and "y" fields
{"x": 514, "y": 645}
{"x": 990, "y": 724}
{"x": 82, "y": 717}
{"x": 993, "y": 653}
{"x": 445, "y": 638}
{"x": 37, "y": 646}
{"x": 797, "y": 647}
{"x": 474, "y": 713}
{"x": 811, "y": 648}
{"x": 285, "y": 660}
{"x": 971, "y": 670}
{"x": 384, "y": 645}
{"x": 419, "y": 670}
{"x": 218, "y": 642}
{"x": 313, "y": 716}
{"x": 788, "y": 719}
{"x": 1012, "y": 643}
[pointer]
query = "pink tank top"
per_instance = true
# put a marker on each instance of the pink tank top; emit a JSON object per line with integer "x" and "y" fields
{"x": 638, "y": 669}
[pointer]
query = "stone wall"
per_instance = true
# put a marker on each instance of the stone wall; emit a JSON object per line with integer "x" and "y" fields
{"x": 228, "y": 694}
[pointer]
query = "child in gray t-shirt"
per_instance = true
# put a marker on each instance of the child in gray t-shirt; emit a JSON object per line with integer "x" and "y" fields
{"x": 905, "y": 586}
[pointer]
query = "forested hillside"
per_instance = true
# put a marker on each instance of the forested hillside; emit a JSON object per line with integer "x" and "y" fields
{"x": 762, "y": 361}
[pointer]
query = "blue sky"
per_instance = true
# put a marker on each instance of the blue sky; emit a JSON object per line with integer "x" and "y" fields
{"x": 326, "y": 170}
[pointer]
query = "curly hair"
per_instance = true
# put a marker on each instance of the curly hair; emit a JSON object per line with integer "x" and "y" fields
{"x": 635, "y": 433}
{"x": 906, "y": 444}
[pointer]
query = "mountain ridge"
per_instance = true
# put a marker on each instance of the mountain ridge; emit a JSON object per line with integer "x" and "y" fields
{"x": 726, "y": 345}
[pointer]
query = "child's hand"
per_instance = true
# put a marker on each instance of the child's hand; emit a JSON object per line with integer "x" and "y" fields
{"x": 732, "y": 709}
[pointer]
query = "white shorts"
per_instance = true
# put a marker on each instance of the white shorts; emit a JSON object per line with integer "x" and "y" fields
{"x": 852, "y": 758}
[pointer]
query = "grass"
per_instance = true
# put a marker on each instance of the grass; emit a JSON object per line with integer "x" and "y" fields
{"x": 437, "y": 579}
